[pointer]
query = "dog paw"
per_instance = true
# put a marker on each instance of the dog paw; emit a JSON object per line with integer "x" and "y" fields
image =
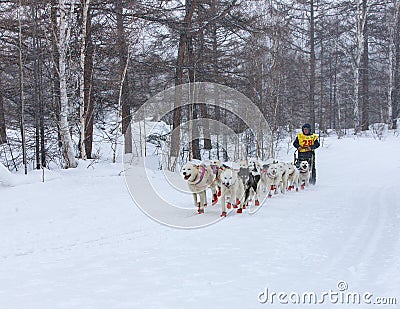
{"x": 228, "y": 205}
{"x": 239, "y": 211}
{"x": 200, "y": 211}
{"x": 257, "y": 203}
{"x": 223, "y": 214}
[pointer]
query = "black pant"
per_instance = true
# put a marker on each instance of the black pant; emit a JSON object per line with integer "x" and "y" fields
{"x": 308, "y": 156}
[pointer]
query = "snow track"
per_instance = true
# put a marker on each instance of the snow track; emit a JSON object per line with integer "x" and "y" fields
{"x": 78, "y": 241}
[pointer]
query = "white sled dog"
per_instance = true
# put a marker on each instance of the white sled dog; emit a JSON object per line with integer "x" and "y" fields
{"x": 199, "y": 178}
{"x": 304, "y": 174}
{"x": 293, "y": 177}
{"x": 233, "y": 187}
{"x": 284, "y": 173}
{"x": 270, "y": 178}
{"x": 217, "y": 169}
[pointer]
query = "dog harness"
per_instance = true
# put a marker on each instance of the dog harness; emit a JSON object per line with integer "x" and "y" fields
{"x": 203, "y": 171}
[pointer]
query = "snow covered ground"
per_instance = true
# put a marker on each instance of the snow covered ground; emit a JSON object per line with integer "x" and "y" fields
{"x": 78, "y": 241}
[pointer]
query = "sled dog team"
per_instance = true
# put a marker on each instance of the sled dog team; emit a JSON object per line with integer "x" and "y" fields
{"x": 236, "y": 187}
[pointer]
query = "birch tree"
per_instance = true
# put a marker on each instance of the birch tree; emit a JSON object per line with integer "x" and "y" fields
{"x": 394, "y": 27}
{"x": 63, "y": 41}
{"x": 361, "y": 19}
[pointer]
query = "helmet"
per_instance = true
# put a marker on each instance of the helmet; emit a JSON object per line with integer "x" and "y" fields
{"x": 308, "y": 126}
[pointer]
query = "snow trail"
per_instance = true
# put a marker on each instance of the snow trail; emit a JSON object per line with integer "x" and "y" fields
{"x": 95, "y": 249}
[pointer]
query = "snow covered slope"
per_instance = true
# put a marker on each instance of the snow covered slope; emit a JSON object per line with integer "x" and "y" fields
{"x": 78, "y": 241}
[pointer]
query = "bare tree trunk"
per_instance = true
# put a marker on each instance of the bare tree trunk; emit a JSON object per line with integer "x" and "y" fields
{"x": 322, "y": 119}
{"x": 183, "y": 42}
{"x": 203, "y": 107}
{"x": 365, "y": 72}
{"x": 3, "y": 135}
{"x": 204, "y": 116}
{"x": 217, "y": 118}
{"x": 82, "y": 86}
{"x": 41, "y": 121}
{"x": 21, "y": 90}
{"x": 55, "y": 72}
{"x": 360, "y": 25}
{"x": 88, "y": 95}
{"x": 195, "y": 142}
{"x": 215, "y": 71}
{"x": 37, "y": 87}
{"x": 63, "y": 41}
{"x": 394, "y": 63}
{"x": 334, "y": 102}
{"x": 312, "y": 67}
{"x": 123, "y": 66}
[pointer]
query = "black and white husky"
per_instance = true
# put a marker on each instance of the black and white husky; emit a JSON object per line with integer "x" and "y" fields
{"x": 250, "y": 177}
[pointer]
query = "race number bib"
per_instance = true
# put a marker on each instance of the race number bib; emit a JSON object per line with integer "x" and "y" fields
{"x": 306, "y": 140}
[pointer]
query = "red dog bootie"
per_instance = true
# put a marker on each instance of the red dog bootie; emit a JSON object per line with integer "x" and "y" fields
{"x": 239, "y": 211}
{"x": 229, "y": 205}
{"x": 215, "y": 199}
{"x": 223, "y": 214}
{"x": 257, "y": 203}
